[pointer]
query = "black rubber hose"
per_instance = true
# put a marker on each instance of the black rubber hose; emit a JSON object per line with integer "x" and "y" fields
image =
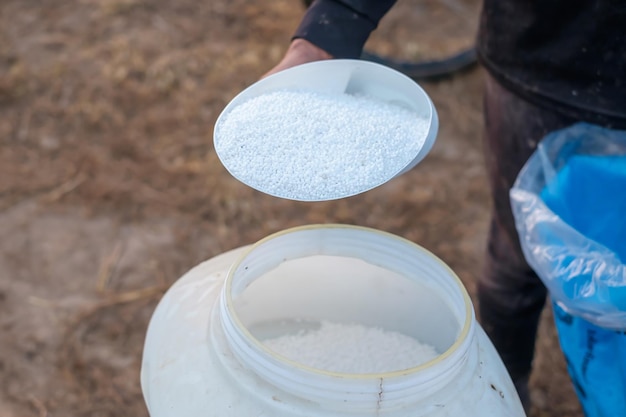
{"x": 425, "y": 70}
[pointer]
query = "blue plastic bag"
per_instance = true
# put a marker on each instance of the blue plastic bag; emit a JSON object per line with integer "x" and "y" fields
{"x": 569, "y": 203}
{"x": 596, "y": 363}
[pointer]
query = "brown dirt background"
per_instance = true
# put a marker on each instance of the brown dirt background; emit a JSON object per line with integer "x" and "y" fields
{"x": 110, "y": 189}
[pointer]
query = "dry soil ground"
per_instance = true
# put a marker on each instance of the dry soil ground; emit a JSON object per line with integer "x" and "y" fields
{"x": 110, "y": 189}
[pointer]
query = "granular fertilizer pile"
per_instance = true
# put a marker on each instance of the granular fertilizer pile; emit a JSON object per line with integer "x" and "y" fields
{"x": 305, "y": 145}
{"x": 353, "y": 349}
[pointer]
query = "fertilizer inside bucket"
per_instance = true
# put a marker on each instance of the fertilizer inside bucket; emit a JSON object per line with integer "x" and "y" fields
{"x": 352, "y": 349}
{"x": 345, "y": 315}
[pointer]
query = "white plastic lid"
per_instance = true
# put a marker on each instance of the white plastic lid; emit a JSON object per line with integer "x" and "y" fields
{"x": 330, "y": 77}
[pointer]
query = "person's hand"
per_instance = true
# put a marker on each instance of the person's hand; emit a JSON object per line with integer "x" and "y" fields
{"x": 300, "y": 51}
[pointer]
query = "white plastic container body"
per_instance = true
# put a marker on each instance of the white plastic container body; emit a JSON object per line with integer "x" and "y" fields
{"x": 350, "y": 76}
{"x": 203, "y": 353}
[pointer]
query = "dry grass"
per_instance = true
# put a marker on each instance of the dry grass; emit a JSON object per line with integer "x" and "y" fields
{"x": 106, "y": 130}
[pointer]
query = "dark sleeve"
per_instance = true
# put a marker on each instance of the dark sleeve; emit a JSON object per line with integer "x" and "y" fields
{"x": 341, "y": 27}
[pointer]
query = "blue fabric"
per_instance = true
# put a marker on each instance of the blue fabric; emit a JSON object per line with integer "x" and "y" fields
{"x": 589, "y": 194}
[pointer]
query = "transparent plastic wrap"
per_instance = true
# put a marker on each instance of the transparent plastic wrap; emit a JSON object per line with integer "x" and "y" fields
{"x": 569, "y": 203}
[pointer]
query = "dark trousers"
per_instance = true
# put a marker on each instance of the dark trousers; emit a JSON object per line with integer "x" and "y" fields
{"x": 510, "y": 295}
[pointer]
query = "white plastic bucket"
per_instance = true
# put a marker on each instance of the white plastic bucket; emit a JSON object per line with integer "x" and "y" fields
{"x": 356, "y": 77}
{"x": 204, "y": 354}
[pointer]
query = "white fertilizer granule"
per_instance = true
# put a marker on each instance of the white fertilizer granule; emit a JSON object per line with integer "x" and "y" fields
{"x": 305, "y": 145}
{"x": 352, "y": 349}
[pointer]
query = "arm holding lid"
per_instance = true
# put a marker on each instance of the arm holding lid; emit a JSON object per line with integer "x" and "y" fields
{"x": 333, "y": 29}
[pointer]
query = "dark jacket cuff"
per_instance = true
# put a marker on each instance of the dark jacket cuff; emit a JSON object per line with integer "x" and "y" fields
{"x": 341, "y": 28}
